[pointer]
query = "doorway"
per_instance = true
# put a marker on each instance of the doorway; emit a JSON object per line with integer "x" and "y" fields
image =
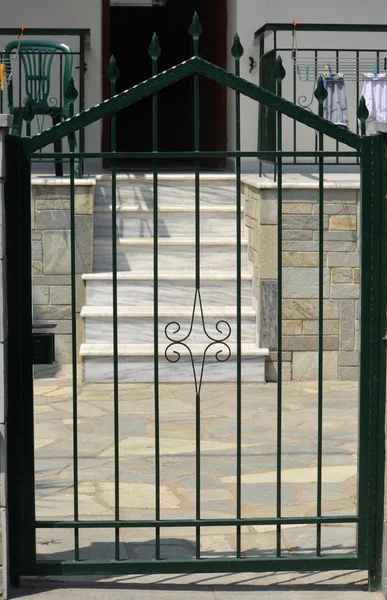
{"x": 127, "y": 37}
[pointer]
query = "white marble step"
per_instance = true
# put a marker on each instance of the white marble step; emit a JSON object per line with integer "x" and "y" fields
{"x": 173, "y": 191}
{"x": 177, "y": 288}
{"x": 136, "y": 324}
{"x": 137, "y": 253}
{"x": 136, "y": 363}
{"x": 172, "y": 221}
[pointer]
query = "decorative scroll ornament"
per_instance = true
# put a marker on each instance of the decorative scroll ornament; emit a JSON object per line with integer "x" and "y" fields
{"x": 222, "y": 350}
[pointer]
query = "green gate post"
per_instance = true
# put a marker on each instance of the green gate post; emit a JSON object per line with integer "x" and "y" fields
{"x": 20, "y": 450}
{"x": 372, "y": 356}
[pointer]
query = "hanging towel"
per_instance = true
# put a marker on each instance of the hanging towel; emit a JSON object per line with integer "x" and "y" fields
{"x": 375, "y": 95}
{"x": 335, "y": 106}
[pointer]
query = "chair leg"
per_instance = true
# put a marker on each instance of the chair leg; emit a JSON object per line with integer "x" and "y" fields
{"x": 58, "y": 148}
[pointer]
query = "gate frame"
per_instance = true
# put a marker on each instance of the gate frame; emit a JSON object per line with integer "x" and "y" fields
{"x": 21, "y": 492}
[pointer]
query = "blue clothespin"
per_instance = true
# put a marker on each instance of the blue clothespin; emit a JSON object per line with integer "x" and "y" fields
{"x": 330, "y": 70}
{"x": 375, "y": 70}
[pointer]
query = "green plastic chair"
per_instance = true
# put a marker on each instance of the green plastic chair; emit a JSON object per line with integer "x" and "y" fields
{"x": 36, "y": 58}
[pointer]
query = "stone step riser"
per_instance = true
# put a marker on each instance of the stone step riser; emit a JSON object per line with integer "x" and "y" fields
{"x": 141, "y": 330}
{"x": 182, "y": 224}
{"x": 171, "y": 293}
{"x": 132, "y": 258}
{"x": 180, "y": 194}
{"x": 141, "y": 370}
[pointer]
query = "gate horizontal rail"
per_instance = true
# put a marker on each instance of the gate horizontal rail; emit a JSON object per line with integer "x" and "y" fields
{"x": 183, "y": 155}
{"x": 195, "y": 522}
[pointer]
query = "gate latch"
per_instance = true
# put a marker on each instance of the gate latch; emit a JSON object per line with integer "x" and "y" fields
{"x": 43, "y": 346}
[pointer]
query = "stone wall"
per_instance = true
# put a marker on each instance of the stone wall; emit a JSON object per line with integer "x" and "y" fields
{"x": 51, "y": 256}
{"x": 300, "y": 222}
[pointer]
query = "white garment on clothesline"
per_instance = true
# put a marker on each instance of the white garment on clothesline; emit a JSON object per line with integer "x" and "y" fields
{"x": 335, "y": 105}
{"x": 375, "y": 95}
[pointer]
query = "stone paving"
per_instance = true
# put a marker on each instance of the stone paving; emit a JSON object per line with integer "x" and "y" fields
{"x": 54, "y": 466}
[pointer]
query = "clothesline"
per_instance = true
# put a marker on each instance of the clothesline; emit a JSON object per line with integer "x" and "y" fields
{"x": 352, "y": 71}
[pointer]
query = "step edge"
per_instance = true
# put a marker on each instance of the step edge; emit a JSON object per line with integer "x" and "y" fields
{"x": 134, "y": 312}
{"x": 170, "y": 241}
{"x": 170, "y": 276}
{"x": 93, "y": 350}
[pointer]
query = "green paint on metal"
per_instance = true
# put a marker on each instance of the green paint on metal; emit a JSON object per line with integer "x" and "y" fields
{"x": 29, "y": 112}
{"x": 154, "y": 49}
{"x": 71, "y": 93}
{"x": 154, "y": 52}
{"x": 279, "y": 72}
{"x": 166, "y": 78}
{"x": 362, "y": 114}
{"x": 195, "y": 29}
{"x": 174, "y": 523}
{"x": 237, "y": 52}
{"x": 373, "y": 319}
{"x": 113, "y": 72}
{"x": 320, "y": 93}
{"x": 370, "y": 345}
{"x": 320, "y": 362}
{"x": 237, "y": 49}
{"x": 223, "y": 565}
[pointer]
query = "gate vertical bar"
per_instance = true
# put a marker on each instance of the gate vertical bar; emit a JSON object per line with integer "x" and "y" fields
{"x": 195, "y": 31}
{"x": 113, "y": 74}
{"x": 375, "y": 575}
{"x": 372, "y": 354}
{"x": 154, "y": 52}
{"x": 320, "y": 94}
{"x": 279, "y": 75}
{"x": 74, "y": 352}
{"x": 20, "y": 425}
{"x": 237, "y": 52}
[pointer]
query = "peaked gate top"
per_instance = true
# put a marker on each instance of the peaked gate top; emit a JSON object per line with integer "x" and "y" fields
{"x": 195, "y": 66}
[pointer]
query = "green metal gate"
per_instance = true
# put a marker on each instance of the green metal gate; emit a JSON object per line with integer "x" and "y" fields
{"x": 23, "y": 524}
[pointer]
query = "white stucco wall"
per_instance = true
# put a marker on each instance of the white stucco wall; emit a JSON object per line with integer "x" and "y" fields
{"x": 62, "y": 14}
{"x": 246, "y": 16}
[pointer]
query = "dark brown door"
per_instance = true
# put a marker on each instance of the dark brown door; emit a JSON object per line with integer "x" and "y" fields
{"x": 127, "y": 33}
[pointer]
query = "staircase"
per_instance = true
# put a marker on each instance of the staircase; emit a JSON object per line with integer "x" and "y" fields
{"x": 176, "y": 285}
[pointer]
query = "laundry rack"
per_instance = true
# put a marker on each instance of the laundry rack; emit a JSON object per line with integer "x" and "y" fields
{"x": 310, "y": 67}
{"x": 321, "y": 45}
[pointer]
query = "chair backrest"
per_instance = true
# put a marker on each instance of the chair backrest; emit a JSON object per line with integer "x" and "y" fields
{"x": 36, "y": 58}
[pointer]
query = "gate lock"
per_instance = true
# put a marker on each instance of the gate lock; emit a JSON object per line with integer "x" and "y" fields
{"x": 43, "y": 346}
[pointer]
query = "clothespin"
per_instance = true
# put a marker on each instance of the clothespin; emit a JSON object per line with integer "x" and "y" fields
{"x": 375, "y": 70}
{"x": 2, "y": 76}
{"x": 330, "y": 70}
{"x": 21, "y": 32}
{"x": 294, "y": 40}
{"x": 307, "y": 73}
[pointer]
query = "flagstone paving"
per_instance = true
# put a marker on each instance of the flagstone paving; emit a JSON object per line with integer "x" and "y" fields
{"x": 54, "y": 466}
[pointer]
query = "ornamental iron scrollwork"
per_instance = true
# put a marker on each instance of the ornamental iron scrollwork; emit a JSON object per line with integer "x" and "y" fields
{"x": 172, "y": 353}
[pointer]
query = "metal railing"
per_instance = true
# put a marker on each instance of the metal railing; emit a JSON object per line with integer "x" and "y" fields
{"x": 304, "y": 64}
{"x": 78, "y": 42}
